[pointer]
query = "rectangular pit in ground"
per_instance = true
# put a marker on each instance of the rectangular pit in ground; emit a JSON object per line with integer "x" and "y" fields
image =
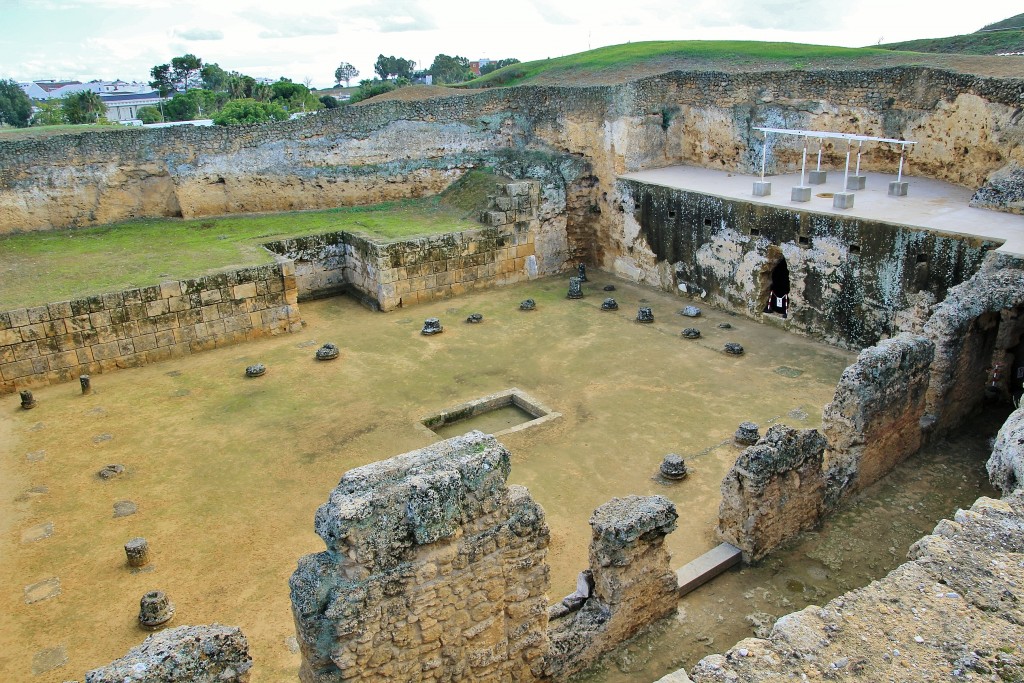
{"x": 509, "y": 411}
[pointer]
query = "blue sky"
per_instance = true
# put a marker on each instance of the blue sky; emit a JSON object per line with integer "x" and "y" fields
{"x": 306, "y": 39}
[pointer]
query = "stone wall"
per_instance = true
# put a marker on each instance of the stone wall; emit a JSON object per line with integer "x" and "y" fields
{"x": 434, "y": 570}
{"x": 874, "y": 420}
{"x": 185, "y": 654}
{"x": 775, "y": 490}
{"x": 389, "y": 275}
{"x": 849, "y": 277}
{"x": 57, "y": 342}
{"x": 629, "y": 584}
{"x": 950, "y": 613}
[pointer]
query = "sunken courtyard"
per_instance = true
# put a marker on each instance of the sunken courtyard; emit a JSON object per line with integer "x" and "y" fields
{"x": 679, "y": 402}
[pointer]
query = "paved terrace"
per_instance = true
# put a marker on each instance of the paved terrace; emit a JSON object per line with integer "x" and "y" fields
{"x": 930, "y": 204}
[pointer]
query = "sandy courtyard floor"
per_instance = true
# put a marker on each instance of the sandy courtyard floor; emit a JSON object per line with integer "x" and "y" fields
{"x": 227, "y": 472}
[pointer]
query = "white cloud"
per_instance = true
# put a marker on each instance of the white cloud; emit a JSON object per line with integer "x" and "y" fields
{"x": 199, "y": 34}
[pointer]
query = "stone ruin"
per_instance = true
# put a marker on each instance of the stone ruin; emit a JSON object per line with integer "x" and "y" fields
{"x": 435, "y": 569}
{"x": 632, "y": 584}
{"x": 186, "y": 654}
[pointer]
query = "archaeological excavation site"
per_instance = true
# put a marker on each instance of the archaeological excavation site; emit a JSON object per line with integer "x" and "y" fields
{"x": 689, "y": 373}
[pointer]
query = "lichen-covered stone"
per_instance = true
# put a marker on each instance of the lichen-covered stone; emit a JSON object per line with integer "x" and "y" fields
{"x": 186, "y": 654}
{"x": 775, "y": 490}
{"x": 426, "y": 549}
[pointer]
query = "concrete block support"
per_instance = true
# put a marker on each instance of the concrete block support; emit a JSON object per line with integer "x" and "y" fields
{"x": 762, "y": 188}
{"x": 898, "y": 189}
{"x": 856, "y": 182}
{"x": 817, "y": 177}
{"x": 801, "y": 193}
{"x": 842, "y": 200}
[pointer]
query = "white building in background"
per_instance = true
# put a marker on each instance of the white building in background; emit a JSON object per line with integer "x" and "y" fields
{"x": 50, "y": 89}
{"x": 125, "y": 107}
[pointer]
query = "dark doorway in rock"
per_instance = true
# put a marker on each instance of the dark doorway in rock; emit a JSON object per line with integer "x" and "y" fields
{"x": 778, "y": 294}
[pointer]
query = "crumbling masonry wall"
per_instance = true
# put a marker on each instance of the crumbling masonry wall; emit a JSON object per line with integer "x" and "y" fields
{"x": 877, "y": 416}
{"x": 434, "y": 570}
{"x": 629, "y": 585}
{"x": 389, "y": 275}
{"x": 57, "y": 342}
{"x": 775, "y": 490}
{"x": 1006, "y": 464}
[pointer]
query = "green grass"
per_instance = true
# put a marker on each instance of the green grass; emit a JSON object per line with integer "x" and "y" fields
{"x": 10, "y": 133}
{"x": 42, "y": 267}
{"x": 970, "y": 44}
{"x": 614, "y": 57}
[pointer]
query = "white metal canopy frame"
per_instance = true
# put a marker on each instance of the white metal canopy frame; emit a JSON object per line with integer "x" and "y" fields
{"x": 822, "y": 135}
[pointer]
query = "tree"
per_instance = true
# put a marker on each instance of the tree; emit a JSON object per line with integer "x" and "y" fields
{"x": 246, "y": 110}
{"x": 162, "y": 79}
{"x": 182, "y": 68}
{"x": 386, "y": 67}
{"x": 447, "y": 69}
{"x": 214, "y": 78}
{"x": 181, "y": 107}
{"x": 368, "y": 89}
{"x": 15, "y": 106}
{"x": 84, "y": 106}
{"x": 497, "y": 64}
{"x": 329, "y": 102}
{"x": 149, "y": 114}
{"x": 345, "y": 72}
{"x": 51, "y": 113}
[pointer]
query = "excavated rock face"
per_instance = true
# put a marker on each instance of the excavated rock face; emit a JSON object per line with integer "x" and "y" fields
{"x": 1003, "y": 191}
{"x": 1006, "y": 465}
{"x": 434, "y": 568}
{"x": 633, "y": 584}
{"x": 977, "y": 323}
{"x": 186, "y": 654}
{"x": 775, "y": 490}
{"x": 952, "y": 613}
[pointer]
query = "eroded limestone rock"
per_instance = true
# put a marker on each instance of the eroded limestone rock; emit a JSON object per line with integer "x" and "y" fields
{"x": 951, "y": 613}
{"x": 186, "y": 654}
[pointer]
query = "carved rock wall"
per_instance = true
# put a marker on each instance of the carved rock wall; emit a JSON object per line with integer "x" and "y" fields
{"x": 978, "y": 323}
{"x": 775, "y": 490}
{"x": 389, "y": 275}
{"x": 434, "y": 570}
{"x": 633, "y": 585}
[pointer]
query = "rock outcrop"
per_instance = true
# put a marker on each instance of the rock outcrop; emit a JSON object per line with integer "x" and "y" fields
{"x": 951, "y": 613}
{"x": 186, "y": 654}
{"x": 1006, "y": 464}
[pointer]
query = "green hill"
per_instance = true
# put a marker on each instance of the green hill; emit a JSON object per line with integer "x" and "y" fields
{"x": 1001, "y": 37}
